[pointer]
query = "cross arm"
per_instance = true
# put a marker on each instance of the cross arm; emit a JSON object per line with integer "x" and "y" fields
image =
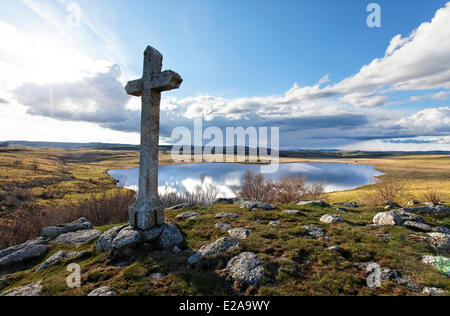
{"x": 135, "y": 87}
{"x": 166, "y": 80}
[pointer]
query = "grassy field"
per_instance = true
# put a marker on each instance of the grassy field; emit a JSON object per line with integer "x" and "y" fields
{"x": 294, "y": 265}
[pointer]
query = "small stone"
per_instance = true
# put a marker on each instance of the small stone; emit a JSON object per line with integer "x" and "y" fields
{"x": 276, "y": 223}
{"x": 255, "y": 205}
{"x": 77, "y": 238}
{"x": 418, "y": 226}
{"x": 228, "y": 215}
{"x": 32, "y": 289}
{"x": 336, "y": 249}
{"x": 246, "y": 268}
{"x": 331, "y": 219}
{"x": 55, "y": 231}
{"x": 392, "y": 204}
{"x": 413, "y": 203}
{"x": 290, "y": 212}
{"x": 188, "y": 215}
{"x": 441, "y": 241}
{"x": 315, "y": 232}
{"x": 170, "y": 236}
{"x": 241, "y": 233}
{"x": 157, "y": 277}
{"x": 176, "y": 249}
{"x": 432, "y": 291}
{"x": 196, "y": 257}
{"x": 385, "y": 237}
{"x": 223, "y": 226}
{"x": 103, "y": 291}
{"x": 341, "y": 210}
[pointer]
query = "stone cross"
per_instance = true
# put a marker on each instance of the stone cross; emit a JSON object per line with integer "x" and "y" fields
{"x": 147, "y": 212}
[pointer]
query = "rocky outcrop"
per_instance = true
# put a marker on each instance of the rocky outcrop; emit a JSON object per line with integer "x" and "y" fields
{"x": 400, "y": 217}
{"x": 32, "y": 289}
{"x": 246, "y": 268}
{"x": 53, "y": 232}
{"x": 77, "y": 238}
{"x": 442, "y": 264}
{"x": 30, "y": 250}
{"x": 418, "y": 226}
{"x": 127, "y": 237}
{"x": 219, "y": 246}
{"x": 387, "y": 219}
{"x": 103, "y": 291}
{"x": 440, "y": 240}
{"x": 241, "y": 233}
{"x": 255, "y": 205}
{"x": 59, "y": 256}
{"x": 331, "y": 219}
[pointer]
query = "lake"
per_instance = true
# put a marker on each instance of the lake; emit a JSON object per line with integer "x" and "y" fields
{"x": 226, "y": 177}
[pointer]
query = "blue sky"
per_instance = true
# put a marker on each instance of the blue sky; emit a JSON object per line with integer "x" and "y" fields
{"x": 299, "y": 65}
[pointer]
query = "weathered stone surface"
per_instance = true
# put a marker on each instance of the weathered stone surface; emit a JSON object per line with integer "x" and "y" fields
{"x": 331, "y": 219}
{"x": 32, "y": 289}
{"x": 246, "y": 268}
{"x": 23, "y": 254}
{"x": 105, "y": 241}
{"x": 276, "y": 223}
{"x": 180, "y": 206}
{"x": 10, "y": 250}
{"x": 223, "y": 226}
{"x": 317, "y": 203}
{"x": 55, "y": 231}
{"x": 156, "y": 277}
{"x": 387, "y": 219}
{"x": 77, "y": 238}
{"x": 418, "y": 226}
{"x": 228, "y": 215}
{"x": 176, "y": 249}
{"x": 407, "y": 216}
{"x": 385, "y": 237}
{"x": 127, "y": 237}
{"x": 388, "y": 275}
{"x": 147, "y": 212}
{"x": 255, "y": 205}
{"x": 432, "y": 291}
{"x": 315, "y": 232}
{"x": 103, "y": 291}
{"x": 290, "y": 212}
{"x": 59, "y": 256}
{"x": 441, "y": 241}
{"x": 196, "y": 257}
{"x": 429, "y": 208}
{"x": 152, "y": 234}
{"x": 219, "y": 246}
{"x": 442, "y": 264}
{"x": 241, "y": 233}
{"x": 170, "y": 236}
{"x": 188, "y": 215}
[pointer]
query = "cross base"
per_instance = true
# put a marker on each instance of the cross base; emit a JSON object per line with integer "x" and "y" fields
{"x": 145, "y": 215}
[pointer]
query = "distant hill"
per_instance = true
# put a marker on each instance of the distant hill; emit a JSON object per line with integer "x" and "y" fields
{"x": 304, "y": 153}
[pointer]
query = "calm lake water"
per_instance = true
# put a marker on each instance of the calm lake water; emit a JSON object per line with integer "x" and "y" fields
{"x": 225, "y": 177}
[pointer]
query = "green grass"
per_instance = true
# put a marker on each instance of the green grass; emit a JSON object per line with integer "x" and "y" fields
{"x": 294, "y": 265}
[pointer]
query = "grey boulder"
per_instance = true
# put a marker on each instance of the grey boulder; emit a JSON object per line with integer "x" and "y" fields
{"x": 219, "y": 246}
{"x": 255, "y": 205}
{"x": 223, "y": 226}
{"x": 316, "y": 203}
{"x": 188, "y": 215}
{"x": 246, "y": 268}
{"x": 290, "y": 212}
{"x": 276, "y": 223}
{"x": 241, "y": 233}
{"x": 103, "y": 291}
{"x": 57, "y": 257}
{"x": 432, "y": 291}
{"x": 55, "y": 231}
{"x": 419, "y": 226}
{"x": 228, "y": 215}
{"x": 24, "y": 253}
{"x": 170, "y": 236}
{"x": 77, "y": 238}
{"x": 387, "y": 219}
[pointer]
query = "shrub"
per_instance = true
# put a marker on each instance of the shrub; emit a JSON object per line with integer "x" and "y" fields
{"x": 286, "y": 190}
{"x": 105, "y": 209}
{"x": 390, "y": 190}
{"x": 433, "y": 196}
